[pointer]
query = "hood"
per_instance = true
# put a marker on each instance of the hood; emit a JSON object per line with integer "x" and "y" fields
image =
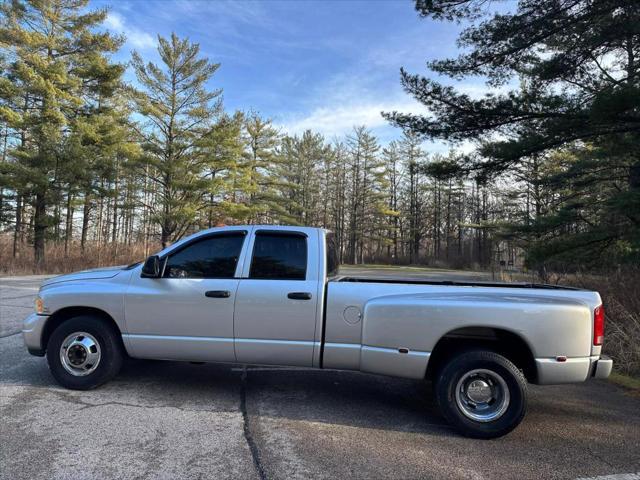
{"x": 93, "y": 274}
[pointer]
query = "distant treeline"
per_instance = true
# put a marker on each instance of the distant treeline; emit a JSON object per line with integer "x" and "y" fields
{"x": 88, "y": 159}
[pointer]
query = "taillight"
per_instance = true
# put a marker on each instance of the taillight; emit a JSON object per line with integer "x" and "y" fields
{"x": 598, "y": 325}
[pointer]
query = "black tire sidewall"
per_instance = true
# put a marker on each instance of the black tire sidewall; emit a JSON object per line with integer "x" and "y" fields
{"x": 111, "y": 354}
{"x": 471, "y": 360}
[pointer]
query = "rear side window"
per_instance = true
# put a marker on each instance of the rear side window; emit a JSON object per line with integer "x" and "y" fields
{"x": 279, "y": 256}
{"x": 212, "y": 257}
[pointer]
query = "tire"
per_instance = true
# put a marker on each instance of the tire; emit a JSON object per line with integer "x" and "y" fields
{"x": 93, "y": 354}
{"x": 482, "y": 394}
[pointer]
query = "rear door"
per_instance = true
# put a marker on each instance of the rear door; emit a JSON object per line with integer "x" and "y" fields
{"x": 276, "y": 304}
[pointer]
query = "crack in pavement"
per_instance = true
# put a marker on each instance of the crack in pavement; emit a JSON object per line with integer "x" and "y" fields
{"x": 70, "y": 398}
{"x": 253, "y": 447}
{"x": 10, "y": 334}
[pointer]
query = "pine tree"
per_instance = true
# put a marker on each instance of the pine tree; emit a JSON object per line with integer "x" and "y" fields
{"x": 179, "y": 112}
{"x": 335, "y": 200}
{"x": 300, "y": 171}
{"x": 101, "y": 152}
{"x": 368, "y": 214}
{"x": 394, "y": 177}
{"x": 413, "y": 156}
{"x": 54, "y": 54}
{"x": 580, "y": 88}
{"x": 260, "y": 164}
{"x": 224, "y": 149}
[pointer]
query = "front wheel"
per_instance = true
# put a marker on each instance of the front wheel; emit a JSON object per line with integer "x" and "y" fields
{"x": 482, "y": 394}
{"x": 84, "y": 352}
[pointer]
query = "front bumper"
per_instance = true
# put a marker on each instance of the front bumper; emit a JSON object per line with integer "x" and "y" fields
{"x": 32, "y": 328}
{"x": 602, "y": 367}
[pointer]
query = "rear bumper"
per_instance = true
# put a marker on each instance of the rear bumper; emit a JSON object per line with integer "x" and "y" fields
{"x": 602, "y": 367}
{"x": 572, "y": 370}
{"x": 32, "y": 333}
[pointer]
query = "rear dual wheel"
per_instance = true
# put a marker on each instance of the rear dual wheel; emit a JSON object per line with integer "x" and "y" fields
{"x": 482, "y": 394}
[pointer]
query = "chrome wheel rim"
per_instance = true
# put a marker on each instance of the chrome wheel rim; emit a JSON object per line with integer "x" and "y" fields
{"x": 482, "y": 395}
{"x": 80, "y": 354}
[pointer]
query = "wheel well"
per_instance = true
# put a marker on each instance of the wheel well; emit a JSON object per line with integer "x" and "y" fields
{"x": 504, "y": 342}
{"x": 64, "y": 314}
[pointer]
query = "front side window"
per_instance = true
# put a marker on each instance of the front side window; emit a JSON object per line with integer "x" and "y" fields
{"x": 279, "y": 256}
{"x": 212, "y": 257}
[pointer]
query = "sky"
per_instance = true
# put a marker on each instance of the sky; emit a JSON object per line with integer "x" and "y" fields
{"x": 324, "y": 65}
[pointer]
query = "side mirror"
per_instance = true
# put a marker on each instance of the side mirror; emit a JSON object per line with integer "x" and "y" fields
{"x": 151, "y": 267}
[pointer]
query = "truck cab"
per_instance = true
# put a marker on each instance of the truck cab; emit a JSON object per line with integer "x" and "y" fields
{"x": 237, "y": 294}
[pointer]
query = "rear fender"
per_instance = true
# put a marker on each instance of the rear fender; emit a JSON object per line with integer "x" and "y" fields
{"x": 399, "y": 332}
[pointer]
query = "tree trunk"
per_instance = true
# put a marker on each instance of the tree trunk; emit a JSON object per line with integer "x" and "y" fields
{"x": 634, "y": 186}
{"x": 164, "y": 235}
{"x": 114, "y": 233}
{"x": 86, "y": 211}
{"x": 4, "y": 159}
{"x": 56, "y": 219}
{"x": 69, "y": 223}
{"x": 17, "y": 232}
{"x": 39, "y": 229}
{"x": 166, "y": 230}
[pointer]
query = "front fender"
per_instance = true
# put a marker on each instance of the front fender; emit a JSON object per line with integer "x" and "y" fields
{"x": 106, "y": 295}
{"x": 102, "y": 295}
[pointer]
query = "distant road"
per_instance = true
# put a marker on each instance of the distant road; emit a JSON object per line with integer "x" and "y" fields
{"x": 16, "y": 300}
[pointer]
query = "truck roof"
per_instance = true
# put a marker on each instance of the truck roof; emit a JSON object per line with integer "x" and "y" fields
{"x": 283, "y": 228}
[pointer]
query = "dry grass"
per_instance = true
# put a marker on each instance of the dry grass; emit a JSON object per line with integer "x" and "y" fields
{"x": 56, "y": 261}
{"x": 620, "y": 292}
{"x": 631, "y": 384}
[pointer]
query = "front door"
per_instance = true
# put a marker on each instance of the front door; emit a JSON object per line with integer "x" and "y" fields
{"x": 187, "y": 314}
{"x": 275, "y": 317}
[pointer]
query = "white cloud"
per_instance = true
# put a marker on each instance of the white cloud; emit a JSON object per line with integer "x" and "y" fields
{"x": 338, "y": 122}
{"x": 353, "y": 106}
{"x": 339, "y": 119}
{"x": 135, "y": 37}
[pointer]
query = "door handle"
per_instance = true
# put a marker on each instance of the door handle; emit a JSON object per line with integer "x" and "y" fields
{"x": 299, "y": 295}
{"x": 217, "y": 293}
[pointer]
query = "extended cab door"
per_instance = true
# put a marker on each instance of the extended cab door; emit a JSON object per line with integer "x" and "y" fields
{"x": 276, "y": 304}
{"x": 187, "y": 314}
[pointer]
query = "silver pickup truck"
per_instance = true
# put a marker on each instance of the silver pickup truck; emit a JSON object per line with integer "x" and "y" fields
{"x": 272, "y": 295}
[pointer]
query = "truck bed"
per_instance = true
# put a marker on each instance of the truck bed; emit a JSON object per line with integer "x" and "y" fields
{"x": 456, "y": 283}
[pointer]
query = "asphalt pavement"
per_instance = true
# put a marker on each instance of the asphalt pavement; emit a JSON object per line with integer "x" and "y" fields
{"x": 170, "y": 420}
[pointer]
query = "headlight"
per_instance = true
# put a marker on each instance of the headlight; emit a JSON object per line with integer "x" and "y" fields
{"x": 39, "y": 306}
